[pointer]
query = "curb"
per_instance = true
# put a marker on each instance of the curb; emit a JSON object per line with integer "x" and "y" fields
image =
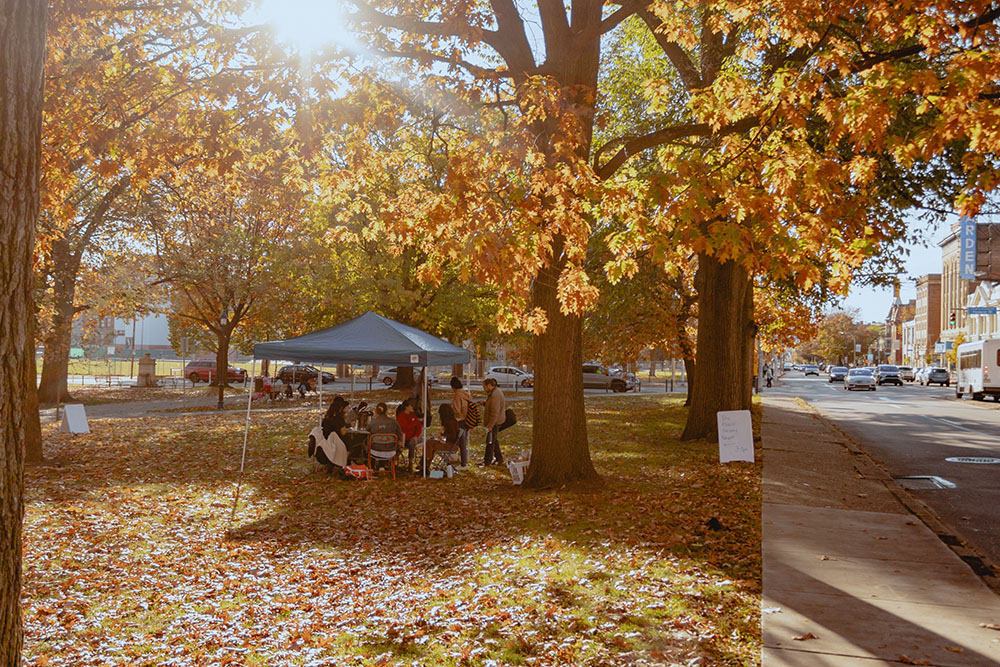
{"x": 984, "y": 567}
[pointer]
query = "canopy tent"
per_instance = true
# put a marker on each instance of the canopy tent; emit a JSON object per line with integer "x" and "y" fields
{"x": 368, "y": 339}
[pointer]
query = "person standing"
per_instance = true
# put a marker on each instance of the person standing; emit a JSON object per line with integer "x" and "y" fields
{"x": 493, "y": 418}
{"x": 460, "y": 406}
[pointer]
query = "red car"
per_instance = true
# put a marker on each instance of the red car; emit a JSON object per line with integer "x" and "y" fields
{"x": 204, "y": 371}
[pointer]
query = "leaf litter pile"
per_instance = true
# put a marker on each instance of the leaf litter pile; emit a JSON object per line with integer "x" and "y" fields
{"x": 131, "y": 558}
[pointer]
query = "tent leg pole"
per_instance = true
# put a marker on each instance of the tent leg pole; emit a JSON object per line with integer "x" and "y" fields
{"x": 319, "y": 386}
{"x": 423, "y": 430}
{"x": 246, "y": 434}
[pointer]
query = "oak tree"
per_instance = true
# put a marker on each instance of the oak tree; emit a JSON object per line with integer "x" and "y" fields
{"x": 22, "y": 49}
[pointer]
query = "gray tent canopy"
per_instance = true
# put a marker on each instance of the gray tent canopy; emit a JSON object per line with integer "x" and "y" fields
{"x": 368, "y": 339}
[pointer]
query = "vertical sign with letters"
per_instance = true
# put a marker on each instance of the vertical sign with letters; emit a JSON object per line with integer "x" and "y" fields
{"x": 967, "y": 249}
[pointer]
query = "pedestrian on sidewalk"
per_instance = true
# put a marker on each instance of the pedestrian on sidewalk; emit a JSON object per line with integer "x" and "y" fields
{"x": 493, "y": 418}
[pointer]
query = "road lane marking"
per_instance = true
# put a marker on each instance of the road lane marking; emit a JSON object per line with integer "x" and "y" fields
{"x": 949, "y": 423}
{"x": 888, "y": 400}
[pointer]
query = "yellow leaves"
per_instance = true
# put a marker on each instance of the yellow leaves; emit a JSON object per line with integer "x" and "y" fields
{"x": 575, "y": 292}
{"x": 862, "y": 169}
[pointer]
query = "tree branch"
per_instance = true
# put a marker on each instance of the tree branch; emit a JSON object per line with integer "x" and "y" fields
{"x": 631, "y": 146}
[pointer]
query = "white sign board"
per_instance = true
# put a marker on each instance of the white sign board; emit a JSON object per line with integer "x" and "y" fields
{"x": 735, "y": 436}
{"x": 414, "y": 358}
{"x": 74, "y": 419}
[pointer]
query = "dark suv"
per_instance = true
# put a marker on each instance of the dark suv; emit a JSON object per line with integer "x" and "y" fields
{"x": 838, "y": 373}
{"x": 298, "y": 373}
{"x": 888, "y": 374}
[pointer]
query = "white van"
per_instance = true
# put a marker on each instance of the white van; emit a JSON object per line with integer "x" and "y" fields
{"x": 979, "y": 369}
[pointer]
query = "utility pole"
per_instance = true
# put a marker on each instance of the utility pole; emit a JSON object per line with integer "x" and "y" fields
{"x": 131, "y": 365}
{"x": 854, "y": 340}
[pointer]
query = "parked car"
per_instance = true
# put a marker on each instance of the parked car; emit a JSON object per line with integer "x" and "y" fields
{"x": 838, "y": 373}
{"x": 510, "y": 376}
{"x": 810, "y": 369}
{"x": 632, "y": 382}
{"x": 888, "y": 374}
{"x": 906, "y": 373}
{"x": 298, "y": 373}
{"x": 388, "y": 376}
{"x": 860, "y": 378}
{"x": 204, "y": 371}
{"x": 596, "y": 376}
{"x": 920, "y": 375}
{"x": 939, "y": 376}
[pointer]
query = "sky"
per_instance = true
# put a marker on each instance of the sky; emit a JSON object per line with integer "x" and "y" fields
{"x": 874, "y": 303}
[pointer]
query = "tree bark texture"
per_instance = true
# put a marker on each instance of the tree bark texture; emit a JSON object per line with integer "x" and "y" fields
{"x": 724, "y": 347}
{"x": 560, "y": 452}
{"x": 22, "y": 57}
{"x": 33, "y": 425}
{"x": 405, "y": 378}
{"x": 53, "y": 387}
{"x": 689, "y": 373}
{"x": 222, "y": 358}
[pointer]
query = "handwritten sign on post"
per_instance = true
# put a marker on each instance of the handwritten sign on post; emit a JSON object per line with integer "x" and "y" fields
{"x": 74, "y": 419}
{"x": 735, "y": 436}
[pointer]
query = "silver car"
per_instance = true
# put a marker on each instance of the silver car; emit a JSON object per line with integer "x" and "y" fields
{"x": 860, "y": 378}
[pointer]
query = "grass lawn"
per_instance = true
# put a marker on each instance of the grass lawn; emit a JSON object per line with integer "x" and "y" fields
{"x": 131, "y": 558}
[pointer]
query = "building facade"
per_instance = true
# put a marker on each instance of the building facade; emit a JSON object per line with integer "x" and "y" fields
{"x": 891, "y": 349}
{"x": 955, "y": 290}
{"x": 927, "y": 318}
{"x": 983, "y": 327}
{"x": 909, "y": 342}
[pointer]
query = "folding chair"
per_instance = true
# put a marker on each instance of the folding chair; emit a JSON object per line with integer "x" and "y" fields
{"x": 439, "y": 454}
{"x": 384, "y": 447}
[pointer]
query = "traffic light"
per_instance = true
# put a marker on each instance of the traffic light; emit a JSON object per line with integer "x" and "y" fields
{"x": 951, "y": 320}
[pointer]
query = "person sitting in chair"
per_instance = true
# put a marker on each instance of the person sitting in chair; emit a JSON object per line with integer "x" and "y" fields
{"x": 449, "y": 438}
{"x": 412, "y": 426}
{"x": 335, "y": 420}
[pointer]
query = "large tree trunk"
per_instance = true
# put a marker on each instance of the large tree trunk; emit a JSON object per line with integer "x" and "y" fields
{"x": 55, "y": 364}
{"x": 560, "y": 452}
{"x": 22, "y": 57}
{"x": 689, "y": 373}
{"x": 33, "y": 425}
{"x": 725, "y": 339}
{"x": 404, "y": 378}
{"x": 221, "y": 358}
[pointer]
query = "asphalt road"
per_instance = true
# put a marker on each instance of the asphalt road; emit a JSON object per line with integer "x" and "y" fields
{"x": 912, "y": 430}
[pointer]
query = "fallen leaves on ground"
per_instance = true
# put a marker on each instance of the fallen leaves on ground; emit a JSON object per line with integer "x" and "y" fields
{"x": 131, "y": 557}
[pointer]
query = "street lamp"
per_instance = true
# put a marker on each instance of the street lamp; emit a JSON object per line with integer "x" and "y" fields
{"x": 855, "y": 348}
{"x": 220, "y": 372}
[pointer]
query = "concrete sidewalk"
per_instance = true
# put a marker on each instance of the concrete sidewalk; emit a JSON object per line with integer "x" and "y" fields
{"x": 850, "y": 576}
